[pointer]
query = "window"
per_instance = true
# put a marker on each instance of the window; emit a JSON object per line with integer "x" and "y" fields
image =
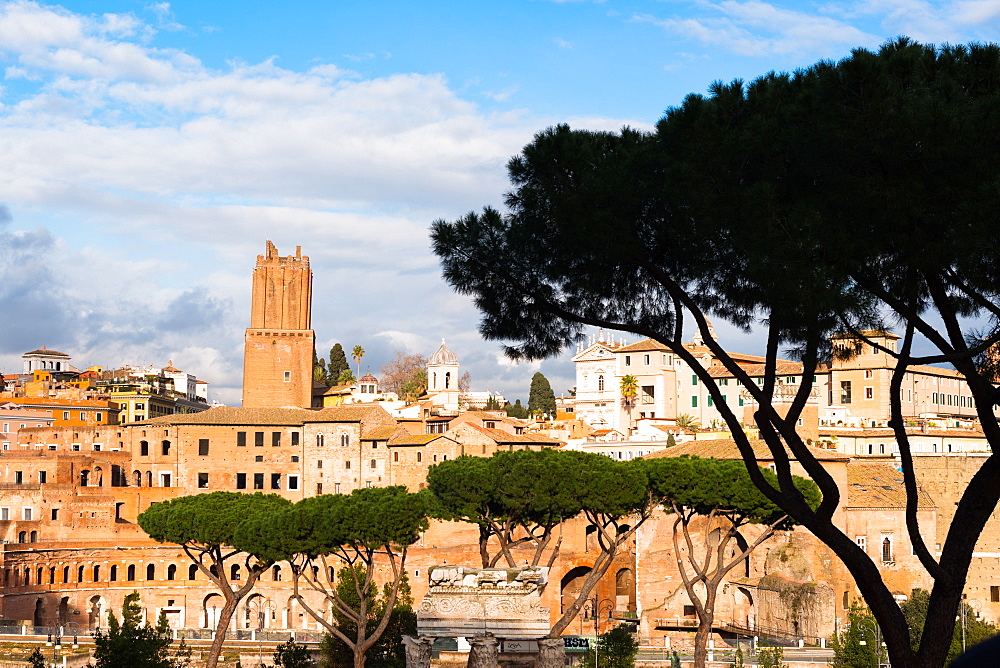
{"x": 26, "y": 514}
{"x": 347, "y": 464}
{"x": 395, "y": 456}
{"x": 258, "y": 481}
{"x": 172, "y": 572}
{"x": 420, "y": 457}
{"x": 293, "y": 482}
{"x": 65, "y": 415}
{"x": 319, "y": 440}
{"x": 113, "y": 574}
{"x": 710, "y": 400}
{"x": 165, "y": 448}
{"x": 345, "y": 440}
{"x": 600, "y": 383}
{"x": 202, "y": 447}
{"x": 628, "y": 360}
{"x": 129, "y": 573}
{"x": 862, "y": 542}
{"x": 202, "y": 481}
{"x": 994, "y": 594}
{"x": 100, "y": 417}
{"x": 151, "y": 572}
{"x": 275, "y": 481}
{"x": 241, "y": 481}
{"x": 143, "y": 449}
{"x": 276, "y": 439}
{"x": 845, "y": 391}
{"x": 258, "y": 439}
{"x": 868, "y": 373}
{"x": 295, "y": 438}
{"x": 645, "y": 360}
{"x": 869, "y": 393}
{"x": 887, "y": 548}
{"x": 55, "y": 514}
{"x": 164, "y": 480}
{"x": 4, "y": 514}
{"x": 336, "y": 488}
{"x": 79, "y": 574}
{"x": 18, "y": 477}
{"x": 276, "y": 573}
{"x": 241, "y": 439}
{"x": 694, "y": 402}
{"x": 288, "y": 376}
{"x": 373, "y": 463}
{"x": 694, "y": 379}
{"x": 192, "y": 571}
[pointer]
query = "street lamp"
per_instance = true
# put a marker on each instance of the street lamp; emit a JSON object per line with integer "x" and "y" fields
{"x": 262, "y": 606}
{"x": 878, "y": 638}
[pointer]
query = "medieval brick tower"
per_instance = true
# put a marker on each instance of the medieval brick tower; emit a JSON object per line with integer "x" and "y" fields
{"x": 278, "y": 357}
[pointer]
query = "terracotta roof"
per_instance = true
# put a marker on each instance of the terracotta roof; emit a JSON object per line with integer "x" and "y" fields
{"x": 404, "y": 439}
{"x": 782, "y": 368}
{"x": 44, "y": 351}
{"x": 515, "y": 439}
{"x": 382, "y": 432}
{"x": 879, "y": 486}
{"x": 368, "y": 378}
{"x": 643, "y": 346}
{"x": 725, "y": 448}
{"x": 229, "y": 415}
{"x": 672, "y": 429}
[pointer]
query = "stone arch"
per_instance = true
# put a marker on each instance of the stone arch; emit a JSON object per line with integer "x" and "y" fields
{"x": 39, "y": 616}
{"x": 38, "y": 575}
{"x": 149, "y": 478}
{"x": 211, "y": 609}
{"x": 192, "y": 571}
{"x": 79, "y": 573}
{"x": 95, "y": 610}
{"x": 99, "y": 476}
{"x": 150, "y": 571}
{"x": 625, "y": 589}
{"x": 84, "y": 477}
{"x": 65, "y": 574}
{"x": 97, "y": 573}
{"x": 130, "y": 573}
{"x": 743, "y": 607}
{"x": 741, "y": 546}
{"x": 62, "y": 613}
{"x": 253, "y": 612}
{"x": 22, "y": 537}
{"x": 570, "y": 586}
{"x": 113, "y": 573}
{"x": 165, "y": 448}
{"x": 33, "y": 537}
{"x": 52, "y": 574}
{"x": 172, "y": 572}
{"x": 137, "y": 478}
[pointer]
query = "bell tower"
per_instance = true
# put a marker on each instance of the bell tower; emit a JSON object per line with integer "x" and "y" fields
{"x": 278, "y": 354}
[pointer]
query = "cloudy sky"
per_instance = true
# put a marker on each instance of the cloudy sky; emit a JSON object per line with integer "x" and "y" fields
{"x": 148, "y": 150}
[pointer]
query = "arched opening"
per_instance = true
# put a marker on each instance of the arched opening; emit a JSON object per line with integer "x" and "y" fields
{"x": 22, "y": 537}
{"x": 625, "y": 589}
{"x": 99, "y": 476}
{"x": 165, "y": 448}
{"x": 887, "y": 549}
{"x": 172, "y": 572}
{"x": 52, "y": 574}
{"x": 79, "y": 574}
{"x": 27, "y": 577}
{"x": 38, "y": 575}
{"x": 84, "y": 478}
{"x": 33, "y": 537}
{"x": 149, "y": 478}
{"x": 113, "y": 574}
{"x": 137, "y": 478}
{"x": 63, "y": 611}
{"x": 96, "y": 610}
{"x": 254, "y": 612}
{"x": 571, "y": 585}
{"x": 130, "y": 573}
{"x": 743, "y": 607}
{"x": 212, "y": 608}
{"x": 234, "y": 572}
{"x": 276, "y": 573}
{"x": 150, "y": 571}
{"x": 65, "y": 574}
{"x": 39, "y": 617}
{"x": 97, "y": 573}
{"x": 742, "y": 546}
{"x": 192, "y": 571}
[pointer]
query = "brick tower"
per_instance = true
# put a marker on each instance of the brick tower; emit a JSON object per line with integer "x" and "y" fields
{"x": 278, "y": 357}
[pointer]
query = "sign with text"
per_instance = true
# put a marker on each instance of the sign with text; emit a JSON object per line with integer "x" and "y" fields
{"x": 576, "y": 643}
{"x": 518, "y": 646}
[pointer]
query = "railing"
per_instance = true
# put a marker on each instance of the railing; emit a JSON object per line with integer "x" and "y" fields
{"x": 625, "y": 615}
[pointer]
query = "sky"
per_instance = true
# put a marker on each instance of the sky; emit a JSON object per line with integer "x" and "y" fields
{"x": 149, "y": 149}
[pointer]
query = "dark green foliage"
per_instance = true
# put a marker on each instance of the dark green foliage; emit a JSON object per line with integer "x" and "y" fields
{"x": 976, "y": 630}
{"x": 336, "y": 364}
{"x": 492, "y": 404}
{"x": 846, "y": 196}
{"x": 36, "y": 660}
{"x": 848, "y": 650}
{"x": 388, "y": 651}
{"x": 129, "y": 644}
{"x": 541, "y": 398}
{"x": 293, "y": 655}
{"x": 516, "y": 410}
{"x": 771, "y": 657}
{"x": 615, "y": 649}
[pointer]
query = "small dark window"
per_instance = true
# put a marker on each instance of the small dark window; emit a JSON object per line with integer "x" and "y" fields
{"x": 130, "y": 573}
{"x": 241, "y": 481}
{"x": 275, "y": 481}
{"x": 689, "y": 611}
{"x": 319, "y": 463}
{"x": 166, "y": 448}
{"x": 295, "y": 438}
{"x": 55, "y": 513}
{"x": 113, "y": 575}
{"x": 347, "y": 464}
{"x": 151, "y": 572}
{"x": 192, "y": 572}
{"x": 258, "y": 439}
{"x": 202, "y": 481}
{"x": 994, "y": 594}
{"x": 258, "y": 481}
{"x": 373, "y": 463}
{"x": 276, "y": 439}
{"x": 241, "y": 439}
{"x": 234, "y": 572}
{"x": 172, "y": 572}
{"x": 143, "y": 449}
{"x": 203, "y": 447}
{"x": 79, "y": 574}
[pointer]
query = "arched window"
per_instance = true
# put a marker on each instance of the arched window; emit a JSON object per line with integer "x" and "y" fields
{"x": 79, "y": 574}
{"x": 84, "y": 478}
{"x": 52, "y": 575}
{"x": 33, "y": 537}
{"x": 150, "y": 571}
{"x": 447, "y": 380}
{"x": 130, "y": 573}
{"x": 276, "y": 573}
{"x": 137, "y": 478}
{"x": 345, "y": 440}
{"x": 234, "y": 572}
{"x": 192, "y": 571}
{"x": 887, "y": 549}
{"x": 113, "y": 574}
{"x": 600, "y": 383}
{"x": 22, "y": 537}
{"x": 97, "y": 573}
{"x": 99, "y": 476}
{"x": 171, "y": 572}
{"x": 65, "y": 574}
{"x": 27, "y": 577}
{"x": 165, "y": 448}
{"x": 149, "y": 478}
{"x": 38, "y": 575}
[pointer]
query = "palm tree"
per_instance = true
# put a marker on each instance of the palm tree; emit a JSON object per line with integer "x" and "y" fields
{"x": 629, "y": 389}
{"x": 688, "y": 422}
{"x": 356, "y": 355}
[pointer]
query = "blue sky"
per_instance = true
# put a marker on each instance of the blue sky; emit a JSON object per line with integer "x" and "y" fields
{"x": 149, "y": 150}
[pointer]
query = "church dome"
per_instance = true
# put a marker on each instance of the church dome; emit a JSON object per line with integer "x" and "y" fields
{"x": 443, "y": 356}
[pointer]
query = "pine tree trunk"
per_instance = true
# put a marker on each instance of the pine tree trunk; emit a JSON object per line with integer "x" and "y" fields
{"x": 221, "y": 630}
